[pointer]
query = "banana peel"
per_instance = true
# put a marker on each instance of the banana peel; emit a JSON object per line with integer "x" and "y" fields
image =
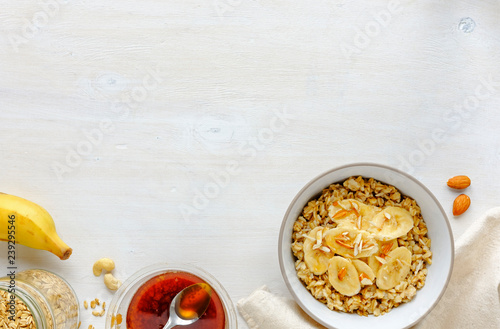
{"x": 31, "y": 225}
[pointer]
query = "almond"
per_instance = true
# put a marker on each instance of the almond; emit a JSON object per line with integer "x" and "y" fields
{"x": 461, "y": 204}
{"x": 459, "y": 182}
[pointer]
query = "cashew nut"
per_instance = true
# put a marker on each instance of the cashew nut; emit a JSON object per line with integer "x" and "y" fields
{"x": 103, "y": 263}
{"x": 111, "y": 282}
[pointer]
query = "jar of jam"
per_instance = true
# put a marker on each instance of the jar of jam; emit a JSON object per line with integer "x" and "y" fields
{"x": 37, "y": 299}
{"x": 143, "y": 301}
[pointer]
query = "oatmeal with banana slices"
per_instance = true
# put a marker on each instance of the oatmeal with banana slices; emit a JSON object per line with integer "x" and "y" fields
{"x": 362, "y": 247}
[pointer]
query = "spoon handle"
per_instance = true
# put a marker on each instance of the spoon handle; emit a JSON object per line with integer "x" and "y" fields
{"x": 170, "y": 324}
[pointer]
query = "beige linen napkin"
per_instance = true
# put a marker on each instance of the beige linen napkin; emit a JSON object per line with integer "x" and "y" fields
{"x": 264, "y": 310}
{"x": 472, "y": 299}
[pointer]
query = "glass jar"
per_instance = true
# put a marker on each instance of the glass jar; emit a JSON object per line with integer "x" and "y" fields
{"x": 39, "y": 299}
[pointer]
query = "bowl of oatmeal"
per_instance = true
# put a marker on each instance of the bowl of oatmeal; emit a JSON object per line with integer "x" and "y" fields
{"x": 366, "y": 245}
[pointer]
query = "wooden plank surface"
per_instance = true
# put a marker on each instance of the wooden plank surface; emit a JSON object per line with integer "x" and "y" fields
{"x": 180, "y": 130}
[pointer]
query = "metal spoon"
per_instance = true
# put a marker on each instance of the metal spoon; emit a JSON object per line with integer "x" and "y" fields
{"x": 189, "y": 305}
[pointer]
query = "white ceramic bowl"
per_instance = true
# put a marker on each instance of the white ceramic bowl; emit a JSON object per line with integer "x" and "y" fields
{"x": 439, "y": 231}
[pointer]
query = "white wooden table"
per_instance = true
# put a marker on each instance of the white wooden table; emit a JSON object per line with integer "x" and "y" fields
{"x": 180, "y": 130}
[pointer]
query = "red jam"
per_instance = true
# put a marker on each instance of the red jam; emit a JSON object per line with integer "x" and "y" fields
{"x": 149, "y": 308}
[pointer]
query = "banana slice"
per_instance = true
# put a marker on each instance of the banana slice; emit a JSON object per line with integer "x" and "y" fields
{"x": 350, "y": 242}
{"x": 316, "y": 254}
{"x": 352, "y": 213}
{"x": 395, "y": 270}
{"x": 378, "y": 259}
{"x": 391, "y": 223}
{"x": 343, "y": 276}
{"x": 369, "y": 213}
{"x": 365, "y": 273}
{"x": 345, "y": 212}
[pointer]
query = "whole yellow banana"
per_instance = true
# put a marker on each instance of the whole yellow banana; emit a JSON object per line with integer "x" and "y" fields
{"x": 30, "y": 225}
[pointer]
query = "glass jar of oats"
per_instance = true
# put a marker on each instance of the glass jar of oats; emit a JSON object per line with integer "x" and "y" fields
{"x": 37, "y": 299}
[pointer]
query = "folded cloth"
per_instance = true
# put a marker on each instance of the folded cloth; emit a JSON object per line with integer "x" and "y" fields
{"x": 264, "y": 310}
{"x": 471, "y": 300}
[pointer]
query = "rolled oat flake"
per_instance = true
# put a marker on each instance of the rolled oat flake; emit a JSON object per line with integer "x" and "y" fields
{"x": 37, "y": 299}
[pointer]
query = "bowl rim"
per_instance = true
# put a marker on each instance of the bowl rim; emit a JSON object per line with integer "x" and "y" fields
{"x": 365, "y": 164}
